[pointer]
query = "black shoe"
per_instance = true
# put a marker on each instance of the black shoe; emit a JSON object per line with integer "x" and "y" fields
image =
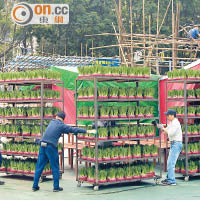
{"x": 35, "y": 189}
{"x": 2, "y": 183}
{"x": 165, "y": 182}
{"x": 58, "y": 190}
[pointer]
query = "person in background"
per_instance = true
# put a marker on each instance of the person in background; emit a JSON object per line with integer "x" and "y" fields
{"x": 49, "y": 150}
{"x": 194, "y": 33}
{"x": 174, "y": 132}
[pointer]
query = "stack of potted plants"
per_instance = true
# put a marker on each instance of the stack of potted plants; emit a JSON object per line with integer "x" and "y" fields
{"x": 123, "y": 71}
{"x": 30, "y": 75}
{"x": 119, "y": 173}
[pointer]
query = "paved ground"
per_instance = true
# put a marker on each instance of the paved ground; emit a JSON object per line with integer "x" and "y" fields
{"x": 20, "y": 189}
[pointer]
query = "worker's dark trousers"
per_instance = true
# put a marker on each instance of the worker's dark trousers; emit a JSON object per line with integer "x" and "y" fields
{"x": 0, "y": 159}
{"x": 49, "y": 153}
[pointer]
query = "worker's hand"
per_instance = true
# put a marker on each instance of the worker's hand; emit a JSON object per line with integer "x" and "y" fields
{"x": 92, "y": 131}
{"x": 5, "y": 140}
{"x": 160, "y": 126}
{"x": 165, "y": 130}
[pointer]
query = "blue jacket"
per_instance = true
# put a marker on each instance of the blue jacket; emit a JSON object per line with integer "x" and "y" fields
{"x": 55, "y": 129}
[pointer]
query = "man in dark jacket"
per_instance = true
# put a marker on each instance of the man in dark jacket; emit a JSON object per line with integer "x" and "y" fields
{"x": 49, "y": 151}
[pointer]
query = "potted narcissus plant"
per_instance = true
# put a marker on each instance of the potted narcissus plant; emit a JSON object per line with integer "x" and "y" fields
{"x": 120, "y": 174}
{"x": 136, "y": 151}
{"x": 91, "y": 112}
{"x": 148, "y": 110}
{"x": 114, "y": 112}
{"x": 141, "y": 132}
{"x": 26, "y": 131}
{"x": 139, "y": 93}
{"x": 115, "y": 154}
{"x": 149, "y": 93}
{"x": 123, "y": 94}
{"x": 191, "y": 111}
{"x": 112, "y": 175}
{"x": 123, "y": 112}
{"x": 144, "y": 171}
{"x": 36, "y": 131}
{"x": 154, "y": 150}
{"x": 83, "y": 174}
{"x": 104, "y": 112}
{"x": 131, "y": 111}
{"x": 146, "y": 151}
{"x": 102, "y": 133}
{"x": 149, "y": 131}
{"x": 198, "y": 111}
{"x": 107, "y": 154}
{"x": 114, "y": 132}
{"x": 191, "y": 94}
{"x": 128, "y": 173}
{"x": 131, "y": 92}
{"x": 91, "y": 175}
{"x": 85, "y": 153}
{"x": 102, "y": 176}
{"x": 133, "y": 132}
{"x": 124, "y": 132}
{"x": 102, "y": 92}
{"x": 114, "y": 93}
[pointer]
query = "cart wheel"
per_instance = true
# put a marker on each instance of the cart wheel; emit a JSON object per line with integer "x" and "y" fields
{"x": 156, "y": 181}
{"x": 79, "y": 184}
{"x": 42, "y": 179}
{"x": 186, "y": 179}
{"x": 96, "y": 188}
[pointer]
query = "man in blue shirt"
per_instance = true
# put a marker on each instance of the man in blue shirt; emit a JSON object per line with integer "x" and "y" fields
{"x": 49, "y": 150}
{"x": 194, "y": 33}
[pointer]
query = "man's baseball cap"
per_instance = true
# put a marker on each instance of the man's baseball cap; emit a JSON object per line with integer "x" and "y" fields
{"x": 170, "y": 112}
{"x": 61, "y": 115}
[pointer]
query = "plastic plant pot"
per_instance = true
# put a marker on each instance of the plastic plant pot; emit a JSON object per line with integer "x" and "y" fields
{"x": 84, "y": 158}
{"x": 81, "y": 137}
{"x": 148, "y": 97}
{"x": 100, "y": 159}
{"x": 123, "y": 137}
{"x": 131, "y": 97}
{"x": 115, "y": 158}
{"x": 139, "y": 116}
{"x": 92, "y": 117}
{"x": 154, "y": 155}
{"x": 123, "y": 116}
{"x": 113, "y": 97}
{"x": 112, "y": 180}
{"x": 192, "y": 171}
{"x": 141, "y": 136}
{"x": 149, "y": 115}
{"x": 83, "y": 178}
{"x": 91, "y": 180}
{"x": 102, "y": 181}
{"x": 120, "y": 179}
{"x": 103, "y": 138}
{"x": 139, "y": 97}
{"x": 102, "y": 97}
{"x": 104, "y": 117}
{"x": 26, "y": 134}
{"x": 114, "y": 117}
{"x": 144, "y": 176}
{"x": 177, "y": 170}
{"x": 132, "y": 136}
{"x": 136, "y": 177}
{"x": 122, "y": 157}
{"x": 91, "y": 138}
{"x": 183, "y": 171}
{"x": 2, "y": 169}
{"x": 150, "y": 135}
{"x": 128, "y": 178}
{"x": 113, "y": 137}
{"x": 123, "y": 97}
{"x": 136, "y": 156}
{"x": 147, "y": 155}
{"x": 106, "y": 159}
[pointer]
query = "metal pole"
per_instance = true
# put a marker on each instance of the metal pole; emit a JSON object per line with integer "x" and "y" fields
{"x": 77, "y": 167}
{"x": 186, "y": 131}
{"x": 42, "y": 107}
{"x": 63, "y": 164}
{"x": 96, "y": 126}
